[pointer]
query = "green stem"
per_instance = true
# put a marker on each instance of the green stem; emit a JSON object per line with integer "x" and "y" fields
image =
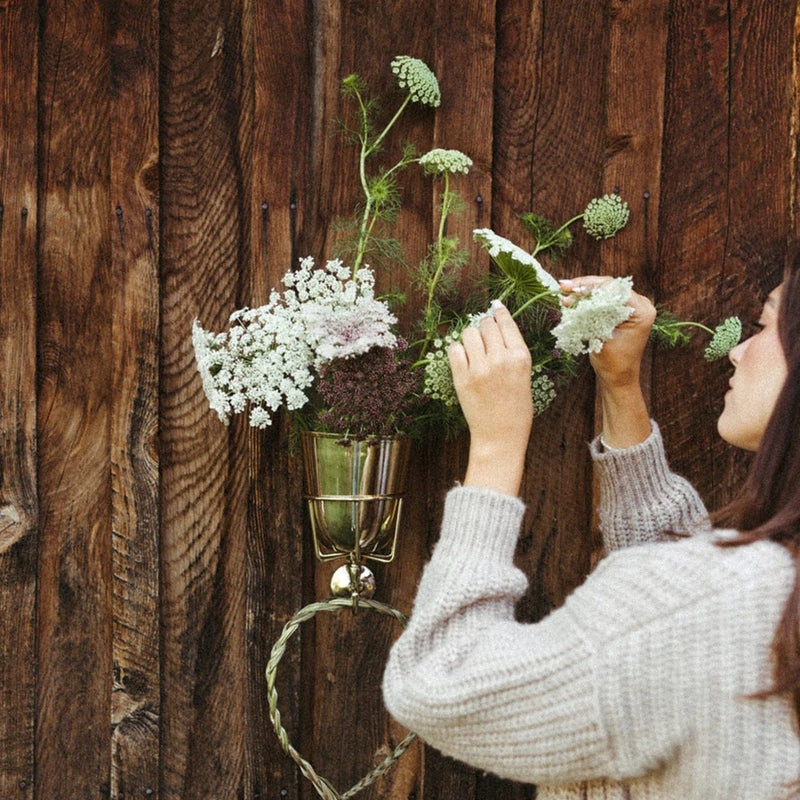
{"x": 367, "y": 148}
{"x": 439, "y": 244}
{"x": 440, "y": 263}
{"x": 539, "y": 247}
{"x": 682, "y": 324}
{"x": 530, "y": 301}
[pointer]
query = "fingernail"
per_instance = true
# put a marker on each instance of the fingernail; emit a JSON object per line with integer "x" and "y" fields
{"x": 497, "y": 304}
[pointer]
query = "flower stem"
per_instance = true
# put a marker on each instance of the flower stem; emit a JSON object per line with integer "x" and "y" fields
{"x": 446, "y": 200}
{"x": 553, "y": 236}
{"x": 367, "y": 149}
{"x": 530, "y": 301}
{"x": 682, "y": 324}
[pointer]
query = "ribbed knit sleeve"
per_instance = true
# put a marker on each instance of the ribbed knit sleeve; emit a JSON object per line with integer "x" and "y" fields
{"x": 640, "y": 498}
{"x": 518, "y": 700}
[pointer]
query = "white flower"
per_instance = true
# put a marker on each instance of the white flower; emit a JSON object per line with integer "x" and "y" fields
{"x": 346, "y": 331}
{"x": 726, "y": 336}
{"x": 267, "y": 359}
{"x": 591, "y": 319}
{"x": 501, "y": 249}
{"x": 439, "y": 160}
{"x": 605, "y": 216}
{"x": 416, "y": 76}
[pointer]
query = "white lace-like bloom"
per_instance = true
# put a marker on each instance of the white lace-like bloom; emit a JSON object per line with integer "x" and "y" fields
{"x": 498, "y": 247}
{"x": 438, "y": 161}
{"x": 267, "y": 359}
{"x": 416, "y": 76}
{"x": 591, "y": 319}
{"x": 337, "y": 332}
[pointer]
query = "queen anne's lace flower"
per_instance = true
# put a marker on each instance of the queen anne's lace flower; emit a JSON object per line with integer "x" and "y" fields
{"x": 591, "y": 319}
{"x": 543, "y": 390}
{"x": 417, "y": 77}
{"x": 269, "y": 355}
{"x": 437, "y": 161}
{"x": 726, "y": 336}
{"x": 438, "y": 383}
{"x": 498, "y": 246}
{"x": 605, "y": 216}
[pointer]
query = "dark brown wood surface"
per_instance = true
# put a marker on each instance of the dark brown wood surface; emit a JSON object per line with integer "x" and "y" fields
{"x": 166, "y": 161}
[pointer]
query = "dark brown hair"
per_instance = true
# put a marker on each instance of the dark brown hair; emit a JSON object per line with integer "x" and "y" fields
{"x": 768, "y": 506}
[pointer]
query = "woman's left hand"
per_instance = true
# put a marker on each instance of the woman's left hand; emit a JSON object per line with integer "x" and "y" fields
{"x": 492, "y": 375}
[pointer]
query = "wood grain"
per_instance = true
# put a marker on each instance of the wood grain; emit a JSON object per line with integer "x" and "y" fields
{"x": 277, "y": 560}
{"x": 135, "y": 712}
{"x": 717, "y": 150}
{"x": 205, "y": 119}
{"x": 74, "y": 405}
{"x": 18, "y": 472}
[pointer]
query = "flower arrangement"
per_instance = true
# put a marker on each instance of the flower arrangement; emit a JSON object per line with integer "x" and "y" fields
{"x": 327, "y": 349}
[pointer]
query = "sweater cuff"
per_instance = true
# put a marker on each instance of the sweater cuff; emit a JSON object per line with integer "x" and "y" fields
{"x": 481, "y": 522}
{"x": 646, "y": 462}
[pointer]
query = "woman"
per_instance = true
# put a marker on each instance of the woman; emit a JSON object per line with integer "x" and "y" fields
{"x": 674, "y": 670}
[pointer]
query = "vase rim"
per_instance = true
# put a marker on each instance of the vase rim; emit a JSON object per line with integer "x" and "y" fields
{"x": 347, "y": 437}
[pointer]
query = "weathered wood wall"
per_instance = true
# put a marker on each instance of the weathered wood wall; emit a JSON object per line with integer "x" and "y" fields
{"x": 161, "y": 160}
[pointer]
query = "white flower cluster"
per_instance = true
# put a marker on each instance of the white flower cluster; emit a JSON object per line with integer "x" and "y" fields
{"x": 438, "y": 161}
{"x": 591, "y": 318}
{"x": 543, "y": 390}
{"x": 606, "y": 216}
{"x": 416, "y": 76}
{"x": 438, "y": 377}
{"x": 498, "y": 246}
{"x": 268, "y": 356}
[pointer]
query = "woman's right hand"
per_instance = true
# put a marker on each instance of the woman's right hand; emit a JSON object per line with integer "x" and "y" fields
{"x": 626, "y": 420}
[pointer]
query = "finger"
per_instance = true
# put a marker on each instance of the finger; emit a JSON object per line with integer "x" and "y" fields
{"x": 508, "y": 328}
{"x": 583, "y": 283}
{"x": 574, "y": 288}
{"x": 457, "y": 356}
{"x": 491, "y": 334}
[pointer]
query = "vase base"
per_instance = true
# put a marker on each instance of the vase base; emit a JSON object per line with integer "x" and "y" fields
{"x": 353, "y": 580}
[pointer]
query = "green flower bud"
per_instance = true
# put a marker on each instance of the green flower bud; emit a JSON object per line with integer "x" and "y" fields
{"x": 416, "y": 76}
{"x": 605, "y": 216}
{"x": 726, "y": 336}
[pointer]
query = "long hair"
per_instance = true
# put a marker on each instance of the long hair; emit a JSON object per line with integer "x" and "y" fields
{"x": 768, "y": 505}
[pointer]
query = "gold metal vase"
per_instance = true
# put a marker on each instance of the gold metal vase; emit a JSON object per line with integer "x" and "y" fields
{"x": 354, "y": 492}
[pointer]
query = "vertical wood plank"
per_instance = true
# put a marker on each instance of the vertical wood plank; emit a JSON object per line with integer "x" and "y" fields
{"x": 205, "y": 119}
{"x": 634, "y": 114}
{"x": 549, "y": 153}
{"x": 283, "y": 37}
{"x": 693, "y": 223}
{"x": 74, "y": 404}
{"x": 135, "y": 330}
{"x": 759, "y": 201}
{"x": 18, "y": 485}
{"x": 634, "y": 120}
{"x": 722, "y": 237}
{"x": 464, "y": 121}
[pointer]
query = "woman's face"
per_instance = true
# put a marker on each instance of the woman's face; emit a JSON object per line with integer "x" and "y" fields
{"x": 759, "y": 374}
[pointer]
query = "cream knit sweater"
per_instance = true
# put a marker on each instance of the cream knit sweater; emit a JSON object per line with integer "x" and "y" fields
{"x": 637, "y": 686}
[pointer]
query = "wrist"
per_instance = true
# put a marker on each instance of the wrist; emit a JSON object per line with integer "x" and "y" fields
{"x": 626, "y": 418}
{"x": 496, "y": 465}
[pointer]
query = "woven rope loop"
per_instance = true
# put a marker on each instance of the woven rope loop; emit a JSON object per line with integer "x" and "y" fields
{"x": 322, "y": 785}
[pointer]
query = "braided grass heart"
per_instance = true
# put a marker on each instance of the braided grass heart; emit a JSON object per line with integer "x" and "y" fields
{"x": 322, "y": 785}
